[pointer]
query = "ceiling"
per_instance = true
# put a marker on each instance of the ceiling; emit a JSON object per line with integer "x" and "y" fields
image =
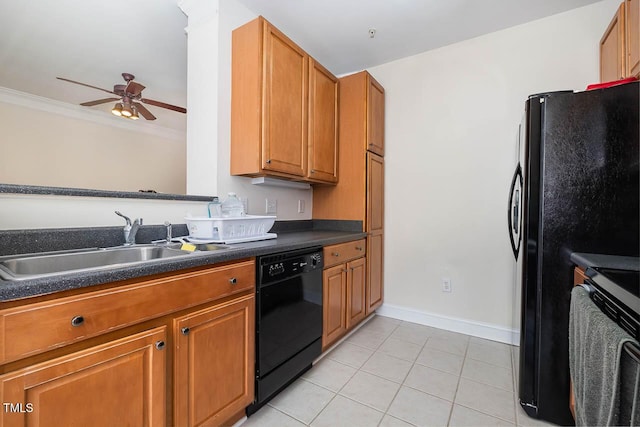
{"x": 94, "y": 41}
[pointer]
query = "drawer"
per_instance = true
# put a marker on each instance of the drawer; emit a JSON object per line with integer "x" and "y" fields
{"x": 39, "y": 327}
{"x": 343, "y": 252}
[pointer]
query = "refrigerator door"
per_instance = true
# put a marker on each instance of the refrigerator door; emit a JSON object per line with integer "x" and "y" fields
{"x": 581, "y": 194}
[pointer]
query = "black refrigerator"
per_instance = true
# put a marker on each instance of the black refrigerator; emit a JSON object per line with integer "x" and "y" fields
{"x": 575, "y": 189}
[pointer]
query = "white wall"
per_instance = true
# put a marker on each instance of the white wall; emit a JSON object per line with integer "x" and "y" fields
{"x": 44, "y": 147}
{"x": 452, "y": 116}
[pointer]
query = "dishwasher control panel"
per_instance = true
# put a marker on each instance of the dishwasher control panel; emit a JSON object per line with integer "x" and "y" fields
{"x": 275, "y": 267}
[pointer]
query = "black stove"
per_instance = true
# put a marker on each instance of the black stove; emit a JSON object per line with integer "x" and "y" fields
{"x": 618, "y": 295}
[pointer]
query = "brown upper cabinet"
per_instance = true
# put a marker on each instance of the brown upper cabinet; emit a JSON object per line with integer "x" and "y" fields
{"x": 323, "y": 124}
{"x": 632, "y": 16}
{"x": 375, "y": 116}
{"x": 620, "y": 44}
{"x": 283, "y": 108}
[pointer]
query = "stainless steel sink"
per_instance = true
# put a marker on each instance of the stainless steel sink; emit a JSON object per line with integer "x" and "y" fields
{"x": 23, "y": 267}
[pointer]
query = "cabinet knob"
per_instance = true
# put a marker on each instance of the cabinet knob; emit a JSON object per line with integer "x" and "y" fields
{"x": 77, "y": 321}
{"x": 268, "y": 161}
{"x": 335, "y": 254}
{"x": 160, "y": 345}
{"x": 313, "y": 171}
{"x": 233, "y": 281}
{"x": 358, "y": 248}
{"x": 185, "y": 331}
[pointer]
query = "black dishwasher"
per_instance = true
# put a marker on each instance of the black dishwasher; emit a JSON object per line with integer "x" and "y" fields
{"x": 288, "y": 319}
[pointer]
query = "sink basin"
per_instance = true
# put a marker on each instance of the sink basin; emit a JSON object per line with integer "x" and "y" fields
{"x": 23, "y": 267}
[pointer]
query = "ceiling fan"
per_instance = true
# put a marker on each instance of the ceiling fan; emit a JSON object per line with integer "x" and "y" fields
{"x": 129, "y": 97}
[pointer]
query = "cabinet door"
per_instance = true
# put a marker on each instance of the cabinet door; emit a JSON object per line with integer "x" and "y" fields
{"x": 356, "y": 286}
{"x": 214, "y": 363}
{"x": 375, "y": 116}
{"x": 115, "y": 384}
{"x": 375, "y": 193}
{"x": 334, "y": 292}
{"x": 285, "y": 101}
{"x": 632, "y": 15}
{"x": 323, "y": 124}
{"x": 375, "y": 271}
{"x": 612, "y": 48}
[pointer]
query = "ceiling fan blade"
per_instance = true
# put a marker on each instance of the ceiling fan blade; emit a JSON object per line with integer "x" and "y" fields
{"x": 84, "y": 84}
{"x": 163, "y": 105}
{"x": 134, "y": 88}
{"x": 99, "y": 101}
{"x": 143, "y": 110}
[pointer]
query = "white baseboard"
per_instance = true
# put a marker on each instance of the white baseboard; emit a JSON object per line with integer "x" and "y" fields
{"x": 476, "y": 329}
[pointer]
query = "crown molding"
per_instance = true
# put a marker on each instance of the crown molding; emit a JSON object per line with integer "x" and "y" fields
{"x": 35, "y": 102}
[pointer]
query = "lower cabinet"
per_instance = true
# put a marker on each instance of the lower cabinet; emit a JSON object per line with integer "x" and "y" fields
{"x": 214, "y": 361}
{"x": 375, "y": 273}
{"x": 114, "y": 384}
{"x": 344, "y": 290}
{"x": 174, "y": 349}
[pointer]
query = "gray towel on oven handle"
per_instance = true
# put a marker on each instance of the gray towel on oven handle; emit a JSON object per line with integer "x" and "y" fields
{"x": 595, "y": 347}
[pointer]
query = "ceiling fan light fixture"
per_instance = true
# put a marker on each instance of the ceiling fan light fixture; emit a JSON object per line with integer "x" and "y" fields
{"x": 134, "y": 113}
{"x": 126, "y": 110}
{"x": 117, "y": 109}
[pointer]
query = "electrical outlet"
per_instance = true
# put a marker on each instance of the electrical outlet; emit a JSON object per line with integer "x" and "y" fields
{"x": 271, "y": 207}
{"x": 300, "y": 206}
{"x": 446, "y": 284}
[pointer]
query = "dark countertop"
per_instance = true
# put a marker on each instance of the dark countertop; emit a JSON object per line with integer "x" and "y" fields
{"x": 12, "y": 290}
{"x": 616, "y": 262}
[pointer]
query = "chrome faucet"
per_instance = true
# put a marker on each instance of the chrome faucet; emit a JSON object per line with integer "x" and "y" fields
{"x": 169, "y": 231}
{"x": 130, "y": 229}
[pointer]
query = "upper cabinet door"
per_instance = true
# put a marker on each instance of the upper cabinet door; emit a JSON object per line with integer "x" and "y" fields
{"x": 284, "y": 104}
{"x": 323, "y": 124}
{"x": 375, "y": 116}
{"x": 612, "y": 48}
{"x": 632, "y": 14}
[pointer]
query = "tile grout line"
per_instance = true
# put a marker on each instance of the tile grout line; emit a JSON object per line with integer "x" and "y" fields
{"x": 357, "y": 370}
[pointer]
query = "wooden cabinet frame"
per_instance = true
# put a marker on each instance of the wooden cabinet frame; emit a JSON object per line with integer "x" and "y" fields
{"x": 284, "y": 108}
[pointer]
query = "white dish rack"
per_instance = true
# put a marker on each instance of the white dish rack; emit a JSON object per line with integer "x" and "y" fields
{"x": 246, "y": 228}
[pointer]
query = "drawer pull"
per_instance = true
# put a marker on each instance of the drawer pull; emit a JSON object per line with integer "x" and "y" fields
{"x": 185, "y": 331}
{"x": 358, "y": 248}
{"x": 233, "y": 281}
{"x": 77, "y": 321}
{"x": 160, "y": 345}
{"x": 335, "y": 254}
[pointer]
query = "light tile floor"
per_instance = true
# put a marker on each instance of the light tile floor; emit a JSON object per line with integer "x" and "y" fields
{"x": 391, "y": 373}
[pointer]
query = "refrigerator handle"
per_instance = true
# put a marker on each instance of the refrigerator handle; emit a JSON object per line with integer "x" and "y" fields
{"x": 514, "y": 210}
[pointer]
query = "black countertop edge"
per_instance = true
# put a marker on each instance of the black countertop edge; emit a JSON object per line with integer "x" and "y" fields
{"x": 14, "y": 290}
{"x": 85, "y": 192}
{"x": 617, "y": 262}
